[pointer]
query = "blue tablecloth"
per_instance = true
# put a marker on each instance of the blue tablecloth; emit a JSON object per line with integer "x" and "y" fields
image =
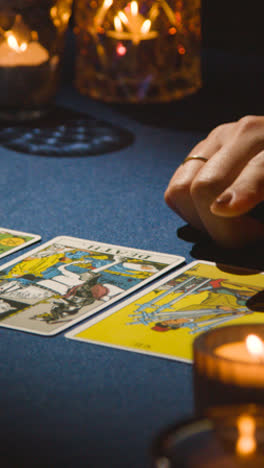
{"x": 70, "y": 404}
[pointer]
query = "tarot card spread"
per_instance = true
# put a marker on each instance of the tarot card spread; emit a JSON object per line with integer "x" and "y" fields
{"x": 164, "y": 319}
{"x": 68, "y": 279}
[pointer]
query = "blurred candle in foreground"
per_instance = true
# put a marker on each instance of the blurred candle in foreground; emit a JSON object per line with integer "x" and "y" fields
{"x": 229, "y": 366}
{"x": 229, "y": 437}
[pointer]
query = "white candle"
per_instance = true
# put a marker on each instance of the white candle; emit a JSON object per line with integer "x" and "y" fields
{"x": 100, "y": 15}
{"x": 33, "y": 55}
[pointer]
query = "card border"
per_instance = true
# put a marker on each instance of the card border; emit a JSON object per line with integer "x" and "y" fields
{"x": 36, "y": 238}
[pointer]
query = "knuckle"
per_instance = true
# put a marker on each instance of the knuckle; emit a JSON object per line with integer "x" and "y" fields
{"x": 198, "y": 148}
{"x": 251, "y": 129}
{"x": 169, "y": 199}
{"x": 247, "y": 123}
{"x": 178, "y": 190}
{"x": 218, "y": 131}
{"x": 205, "y": 187}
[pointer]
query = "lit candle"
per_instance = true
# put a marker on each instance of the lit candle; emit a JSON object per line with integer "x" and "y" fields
{"x": 13, "y": 55}
{"x": 30, "y": 58}
{"x": 229, "y": 366}
{"x": 250, "y": 350}
{"x": 27, "y": 73}
{"x": 19, "y": 47}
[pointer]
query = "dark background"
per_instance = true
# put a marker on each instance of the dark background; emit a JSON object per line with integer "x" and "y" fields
{"x": 233, "y": 25}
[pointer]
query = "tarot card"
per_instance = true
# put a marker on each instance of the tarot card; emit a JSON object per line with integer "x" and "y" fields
{"x": 11, "y": 241}
{"x": 164, "y": 319}
{"x": 68, "y": 279}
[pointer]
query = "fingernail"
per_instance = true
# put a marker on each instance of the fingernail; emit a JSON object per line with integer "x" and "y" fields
{"x": 224, "y": 199}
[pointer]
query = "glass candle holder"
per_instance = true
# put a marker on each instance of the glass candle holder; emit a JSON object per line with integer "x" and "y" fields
{"x": 228, "y": 366}
{"x": 32, "y": 34}
{"x": 232, "y": 437}
{"x": 137, "y": 51}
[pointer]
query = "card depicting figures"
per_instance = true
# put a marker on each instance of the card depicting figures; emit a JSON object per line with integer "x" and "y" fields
{"x": 68, "y": 279}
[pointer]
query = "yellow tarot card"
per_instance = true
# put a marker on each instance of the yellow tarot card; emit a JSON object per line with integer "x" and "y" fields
{"x": 164, "y": 319}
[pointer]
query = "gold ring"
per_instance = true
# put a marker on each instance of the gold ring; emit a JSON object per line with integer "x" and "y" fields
{"x": 195, "y": 156}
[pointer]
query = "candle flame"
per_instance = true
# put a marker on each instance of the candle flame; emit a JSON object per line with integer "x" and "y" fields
{"x": 123, "y": 17}
{"x": 134, "y": 8}
{"x": 246, "y": 443}
{"x": 13, "y": 44}
{"x": 23, "y": 47}
{"x": 255, "y": 345}
{"x": 118, "y": 24}
{"x": 146, "y": 26}
{"x": 107, "y": 3}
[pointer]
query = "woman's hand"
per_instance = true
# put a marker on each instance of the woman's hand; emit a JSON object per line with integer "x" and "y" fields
{"x": 216, "y": 194}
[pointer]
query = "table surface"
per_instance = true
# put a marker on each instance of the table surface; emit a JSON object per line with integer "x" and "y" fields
{"x": 70, "y": 404}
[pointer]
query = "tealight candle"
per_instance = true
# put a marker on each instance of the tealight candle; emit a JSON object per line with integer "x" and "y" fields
{"x": 31, "y": 54}
{"x": 229, "y": 366}
{"x": 30, "y": 59}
